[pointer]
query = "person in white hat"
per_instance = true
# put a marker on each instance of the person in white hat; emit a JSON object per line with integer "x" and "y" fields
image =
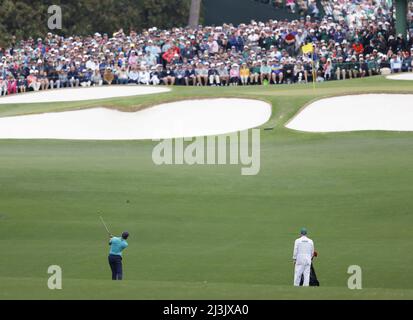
{"x": 156, "y": 75}
{"x": 32, "y": 81}
{"x": 144, "y": 76}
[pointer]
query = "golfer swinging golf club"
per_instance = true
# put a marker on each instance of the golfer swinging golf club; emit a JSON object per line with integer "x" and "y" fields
{"x": 302, "y": 256}
{"x": 117, "y": 245}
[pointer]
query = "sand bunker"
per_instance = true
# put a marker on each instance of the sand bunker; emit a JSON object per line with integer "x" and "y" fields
{"x": 391, "y": 112}
{"x": 81, "y": 94}
{"x": 172, "y": 120}
{"x": 401, "y": 76}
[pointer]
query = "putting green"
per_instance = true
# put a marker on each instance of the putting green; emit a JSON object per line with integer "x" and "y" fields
{"x": 206, "y": 231}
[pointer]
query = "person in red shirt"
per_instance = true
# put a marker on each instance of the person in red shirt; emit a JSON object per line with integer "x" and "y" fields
{"x": 358, "y": 47}
{"x": 12, "y": 85}
{"x": 169, "y": 55}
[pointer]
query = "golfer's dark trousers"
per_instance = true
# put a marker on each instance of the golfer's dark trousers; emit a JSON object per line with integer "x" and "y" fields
{"x": 115, "y": 263}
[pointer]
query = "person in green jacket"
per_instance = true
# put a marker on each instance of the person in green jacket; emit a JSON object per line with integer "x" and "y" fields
{"x": 340, "y": 69}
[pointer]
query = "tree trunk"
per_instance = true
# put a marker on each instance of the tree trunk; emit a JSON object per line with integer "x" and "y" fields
{"x": 194, "y": 13}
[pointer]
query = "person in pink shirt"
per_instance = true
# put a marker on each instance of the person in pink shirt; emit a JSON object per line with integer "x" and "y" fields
{"x": 133, "y": 59}
{"x": 234, "y": 75}
{"x": 213, "y": 46}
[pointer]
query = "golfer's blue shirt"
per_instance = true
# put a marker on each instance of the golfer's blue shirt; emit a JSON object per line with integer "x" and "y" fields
{"x": 117, "y": 245}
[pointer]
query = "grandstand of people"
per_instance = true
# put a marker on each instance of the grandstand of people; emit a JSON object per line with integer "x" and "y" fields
{"x": 351, "y": 39}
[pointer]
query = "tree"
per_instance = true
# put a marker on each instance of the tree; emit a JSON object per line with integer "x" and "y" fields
{"x": 23, "y": 18}
{"x": 195, "y": 13}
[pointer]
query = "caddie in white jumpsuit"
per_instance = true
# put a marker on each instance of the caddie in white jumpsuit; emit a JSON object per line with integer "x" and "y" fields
{"x": 303, "y": 254}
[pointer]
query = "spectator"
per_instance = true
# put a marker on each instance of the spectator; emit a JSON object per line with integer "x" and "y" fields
{"x": 223, "y": 74}
{"x": 85, "y": 78}
{"x": 395, "y": 64}
{"x": 372, "y": 66}
{"x": 290, "y": 4}
{"x": 73, "y": 77}
{"x": 190, "y": 77}
{"x": 44, "y": 82}
{"x": 122, "y": 75}
{"x": 96, "y": 78}
{"x": 213, "y": 76}
{"x": 133, "y": 59}
{"x": 244, "y": 74}
{"x": 168, "y": 76}
{"x": 255, "y": 73}
{"x": 234, "y": 74}
{"x": 265, "y": 72}
{"x": 3, "y": 86}
{"x": 108, "y": 76}
{"x": 407, "y": 63}
{"x": 33, "y": 82}
{"x": 11, "y": 85}
{"x": 201, "y": 73}
{"x": 288, "y": 70}
{"x": 53, "y": 77}
{"x": 353, "y": 69}
{"x": 300, "y": 73}
{"x": 144, "y": 76}
{"x": 22, "y": 84}
{"x": 156, "y": 75}
{"x": 277, "y": 71}
{"x": 133, "y": 75}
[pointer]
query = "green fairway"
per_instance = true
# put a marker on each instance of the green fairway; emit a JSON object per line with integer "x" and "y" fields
{"x": 207, "y": 232}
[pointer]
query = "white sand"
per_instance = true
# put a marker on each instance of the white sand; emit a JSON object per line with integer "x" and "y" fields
{"x": 401, "y": 76}
{"x": 173, "y": 120}
{"x": 81, "y": 94}
{"x": 390, "y": 112}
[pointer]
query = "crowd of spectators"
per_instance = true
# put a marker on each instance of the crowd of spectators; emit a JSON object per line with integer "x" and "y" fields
{"x": 355, "y": 39}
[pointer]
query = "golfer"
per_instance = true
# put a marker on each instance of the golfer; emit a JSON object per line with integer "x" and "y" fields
{"x": 302, "y": 256}
{"x": 117, "y": 245}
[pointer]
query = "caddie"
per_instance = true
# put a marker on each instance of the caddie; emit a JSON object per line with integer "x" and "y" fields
{"x": 302, "y": 256}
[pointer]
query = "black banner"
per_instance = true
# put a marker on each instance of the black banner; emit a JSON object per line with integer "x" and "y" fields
{"x": 182, "y": 310}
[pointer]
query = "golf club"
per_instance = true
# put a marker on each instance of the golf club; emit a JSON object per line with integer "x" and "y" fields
{"x": 104, "y": 224}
